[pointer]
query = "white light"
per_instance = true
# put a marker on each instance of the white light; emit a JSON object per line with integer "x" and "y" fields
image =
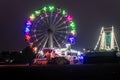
{"x": 20, "y": 51}
{"x": 68, "y": 45}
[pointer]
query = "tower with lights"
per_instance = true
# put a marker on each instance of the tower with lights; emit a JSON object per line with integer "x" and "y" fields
{"x": 107, "y": 40}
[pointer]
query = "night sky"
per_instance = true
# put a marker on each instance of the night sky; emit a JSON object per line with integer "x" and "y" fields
{"x": 89, "y": 16}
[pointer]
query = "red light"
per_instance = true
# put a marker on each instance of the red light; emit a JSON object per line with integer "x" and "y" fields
{"x": 27, "y": 37}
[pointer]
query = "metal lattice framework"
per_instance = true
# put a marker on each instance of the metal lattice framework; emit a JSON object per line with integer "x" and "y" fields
{"x": 107, "y": 40}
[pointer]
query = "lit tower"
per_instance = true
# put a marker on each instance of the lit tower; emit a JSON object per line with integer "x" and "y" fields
{"x": 107, "y": 40}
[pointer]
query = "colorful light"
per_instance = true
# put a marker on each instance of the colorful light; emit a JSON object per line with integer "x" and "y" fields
{"x": 27, "y": 37}
{"x": 27, "y": 30}
{"x": 71, "y": 39}
{"x": 72, "y": 24}
{"x": 28, "y": 23}
{"x": 69, "y": 18}
{"x": 37, "y": 12}
{"x": 44, "y": 8}
{"x": 73, "y": 32}
{"x": 59, "y": 10}
{"x": 32, "y": 17}
{"x": 63, "y": 12}
{"x": 34, "y": 49}
{"x": 73, "y": 28}
{"x": 51, "y": 8}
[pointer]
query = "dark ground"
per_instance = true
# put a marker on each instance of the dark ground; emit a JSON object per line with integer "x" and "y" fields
{"x": 60, "y": 72}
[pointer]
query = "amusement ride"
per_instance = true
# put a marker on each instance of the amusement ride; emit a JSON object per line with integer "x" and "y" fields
{"x": 50, "y": 28}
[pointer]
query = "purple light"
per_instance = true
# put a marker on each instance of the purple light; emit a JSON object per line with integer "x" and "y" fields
{"x": 28, "y": 23}
{"x": 69, "y": 18}
{"x": 56, "y": 15}
{"x": 71, "y": 39}
{"x": 46, "y": 15}
{"x": 81, "y": 57}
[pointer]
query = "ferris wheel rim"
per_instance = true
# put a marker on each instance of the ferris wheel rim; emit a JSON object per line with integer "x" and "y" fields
{"x": 53, "y": 26}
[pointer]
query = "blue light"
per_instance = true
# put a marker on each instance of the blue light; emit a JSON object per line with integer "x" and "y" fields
{"x": 27, "y": 30}
{"x": 71, "y": 39}
{"x": 81, "y": 57}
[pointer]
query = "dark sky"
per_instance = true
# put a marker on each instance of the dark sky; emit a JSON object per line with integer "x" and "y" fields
{"x": 89, "y": 16}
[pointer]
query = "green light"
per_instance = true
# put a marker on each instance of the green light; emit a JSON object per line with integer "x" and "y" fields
{"x": 73, "y": 27}
{"x": 37, "y": 12}
{"x": 72, "y": 24}
{"x": 63, "y": 12}
{"x": 44, "y": 8}
{"x": 51, "y": 8}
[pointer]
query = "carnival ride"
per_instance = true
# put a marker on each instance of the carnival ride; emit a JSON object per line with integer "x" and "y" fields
{"x": 50, "y": 28}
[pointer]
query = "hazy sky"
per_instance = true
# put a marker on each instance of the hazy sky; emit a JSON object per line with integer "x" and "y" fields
{"x": 89, "y": 16}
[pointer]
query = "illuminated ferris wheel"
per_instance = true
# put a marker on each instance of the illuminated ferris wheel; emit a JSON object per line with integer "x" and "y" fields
{"x": 49, "y": 27}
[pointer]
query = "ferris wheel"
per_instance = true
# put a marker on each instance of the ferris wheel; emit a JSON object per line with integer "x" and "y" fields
{"x": 49, "y": 27}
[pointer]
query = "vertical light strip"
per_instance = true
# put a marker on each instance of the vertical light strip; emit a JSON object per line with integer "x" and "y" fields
{"x": 100, "y": 37}
{"x": 102, "y": 40}
{"x": 112, "y": 39}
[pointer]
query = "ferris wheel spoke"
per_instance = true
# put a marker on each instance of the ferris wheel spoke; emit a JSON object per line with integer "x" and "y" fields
{"x": 57, "y": 42}
{"x": 45, "y": 42}
{"x": 62, "y": 23}
{"x": 61, "y": 31}
{"x": 61, "y": 28}
{"x": 59, "y": 25}
{"x": 62, "y": 36}
{"x": 45, "y": 23}
{"x": 39, "y": 34}
{"x": 42, "y": 41}
{"x": 47, "y": 20}
{"x": 35, "y": 36}
{"x": 43, "y": 19}
{"x": 55, "y": 19}
{"x": 39, "y": 30}
{"x": 34, "y": 41}
{"x": 58, "y": 20}
{"x": 37, "y": 39}
{"x": 51, "y": 18}
{"x": 40, "y": 38}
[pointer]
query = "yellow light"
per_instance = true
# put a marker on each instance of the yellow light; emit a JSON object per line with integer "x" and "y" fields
{"x": 32, "y": 17}
{"x": 35, "y": 49}
{"x": 73, "y": 32}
